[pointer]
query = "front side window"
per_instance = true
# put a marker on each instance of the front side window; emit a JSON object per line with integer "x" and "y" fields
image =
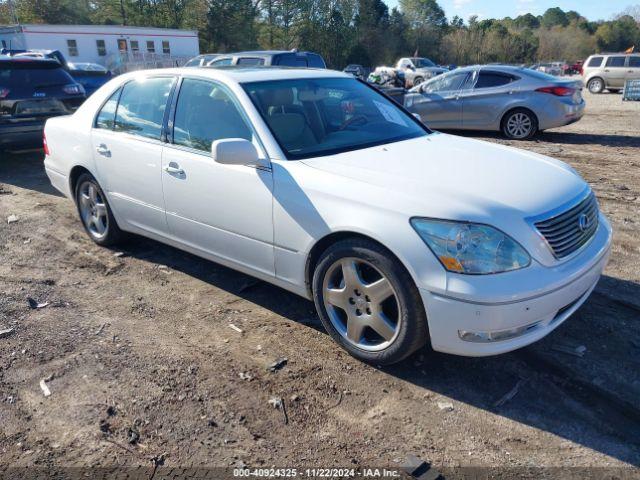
{"x": 595, "y": 62}
{"x": 72, "y": 45}
{"x": 102, "y": 48}
{"x": 634, "y": 62}
{"x": 166, "y": 49}
{"x": 151, "y": 46}
{"x": 492, "y": 79}
{"x": 250, "y": 61}
{"x": 615, "y": 62}
{"x": 107, "y": 116}
{"x": 444, "y": 83}
{"x": 142, "y": 105}
{"x": 321, "y": 116}
{"x": 205, "y": 112}
{"x": 221, "y": 62}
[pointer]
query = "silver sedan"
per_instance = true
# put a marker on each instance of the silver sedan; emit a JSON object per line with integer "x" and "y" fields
{"x": 513, "y": 100}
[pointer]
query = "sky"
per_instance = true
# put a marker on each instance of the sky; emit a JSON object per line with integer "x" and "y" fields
{"x": 591, "y": 9}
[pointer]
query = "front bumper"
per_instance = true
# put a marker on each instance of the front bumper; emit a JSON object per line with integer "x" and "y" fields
{"x": 481, "y": 327}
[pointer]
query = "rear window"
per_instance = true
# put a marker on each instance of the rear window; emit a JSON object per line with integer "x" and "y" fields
{"x": 615, "y": 61}
{"x": 595, "y": 62}
{"x": 634, "y": 62}
{"x": 316, "y": 61}
{"x": 29, "y": 73}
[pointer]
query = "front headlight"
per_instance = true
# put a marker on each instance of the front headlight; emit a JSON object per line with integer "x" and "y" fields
{"x": 471, "y": 248}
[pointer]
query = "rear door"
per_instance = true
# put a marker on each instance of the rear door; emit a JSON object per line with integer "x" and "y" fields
{"x": 615, "y": 71}
{"x": 127, "y": 143}
{"x": 633, "y": 68}
{"x": 483, "y": 104}
{"x": 439, "y": 102}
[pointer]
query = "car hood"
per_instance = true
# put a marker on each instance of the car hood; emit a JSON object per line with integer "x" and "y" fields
{"x": 455, "y": 178}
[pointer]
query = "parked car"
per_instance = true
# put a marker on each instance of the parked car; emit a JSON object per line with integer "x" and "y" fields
{"x": 315, "y": 182}
{"x": 575, "y": 68}
{"x": 357, "y": 71}
{"x": 287, "y": 58}
{"x": 90, "y": 75}
{"x": 516, "y": 101}
{"x": 32, "y": 90}
{"x": 549, "y": 68}
{"x": 418, "y": 70}
{"x": 202, "y": 60}
{"x": 610, "y": 71}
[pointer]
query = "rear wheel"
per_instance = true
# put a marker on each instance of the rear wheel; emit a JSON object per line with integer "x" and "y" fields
{"x": 368, "y": 303}
{"x": 417, "y": 81}
{"x": 596, "y": 85}
{"x": 95, "y": 213}
{"x": 519, "y": 124}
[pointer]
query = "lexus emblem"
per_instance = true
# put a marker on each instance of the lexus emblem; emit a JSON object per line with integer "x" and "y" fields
{"x": 583, "y": 222}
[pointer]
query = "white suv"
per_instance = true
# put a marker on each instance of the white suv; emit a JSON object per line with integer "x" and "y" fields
{"x": 610, "y": 71}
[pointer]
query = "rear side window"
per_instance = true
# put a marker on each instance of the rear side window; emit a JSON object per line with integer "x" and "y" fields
{"x": 634, "y": 62}
{"x": 615, "y": 62}
{"x": 493, "y": 79}
{"x": 107, "y": 116}
{"x": 142, "y": 105}
{"x": 250, "y": 61}
{"x": 32, "y": 76}
{"x": 290, "y": 60}
{"x": 205, "y": 112}
{"x": 315, "y": 61}
{"x": 595, "y": 62}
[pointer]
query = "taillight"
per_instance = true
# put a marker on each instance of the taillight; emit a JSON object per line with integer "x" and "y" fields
{"x": 73, "y": 89}
{"x": 4, "y": 92}
{"x": 44, "y": 144}
{"x": 558, "y": 91}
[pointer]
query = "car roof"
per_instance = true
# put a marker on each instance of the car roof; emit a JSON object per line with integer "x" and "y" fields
{"x": 265, "y": 53}
{"x": 248, "y": 74}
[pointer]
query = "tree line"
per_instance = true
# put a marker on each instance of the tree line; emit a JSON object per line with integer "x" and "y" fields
{"x": 352, "y": 31}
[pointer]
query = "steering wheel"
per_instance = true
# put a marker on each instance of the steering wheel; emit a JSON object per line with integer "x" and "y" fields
{"x": 352, "y": 120}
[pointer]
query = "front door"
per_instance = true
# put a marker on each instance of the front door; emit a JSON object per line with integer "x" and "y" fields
{"x": 223, "y": 210}
{"x": 127, "y": 147}
{"x": 439, "y": 103}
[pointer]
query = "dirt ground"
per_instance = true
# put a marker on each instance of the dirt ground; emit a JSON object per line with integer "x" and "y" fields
{"x": 141, "y": 362}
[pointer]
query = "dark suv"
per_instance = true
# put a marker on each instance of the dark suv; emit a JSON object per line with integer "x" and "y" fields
{"x": 287, "y": 58}
{"x": 32, "y": 90}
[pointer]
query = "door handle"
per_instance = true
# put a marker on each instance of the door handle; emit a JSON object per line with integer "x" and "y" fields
{"x": 173, "y": 168}
{"x": 103, "y": 150}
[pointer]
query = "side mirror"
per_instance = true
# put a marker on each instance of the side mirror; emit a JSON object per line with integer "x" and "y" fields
{"x": 234, "y": 151}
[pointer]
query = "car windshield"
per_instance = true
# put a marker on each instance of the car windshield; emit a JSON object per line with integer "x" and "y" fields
{"x": 423, "y": 62}
{"x": 315, "y": 117}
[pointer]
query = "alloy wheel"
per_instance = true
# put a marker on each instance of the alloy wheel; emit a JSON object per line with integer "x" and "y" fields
{"x": 519, "y": 125}
{"x": 361, "y": 304}
{"x": 93, "y": 210}
{"x": 595, "y": 85}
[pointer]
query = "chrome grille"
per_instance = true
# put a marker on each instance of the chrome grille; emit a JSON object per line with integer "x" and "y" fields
{"x": 567, "y": 232}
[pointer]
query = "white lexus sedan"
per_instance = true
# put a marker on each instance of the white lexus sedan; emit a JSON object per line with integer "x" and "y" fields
{"x": 317, "y": 183}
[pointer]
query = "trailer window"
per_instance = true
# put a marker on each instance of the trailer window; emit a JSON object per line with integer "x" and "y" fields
{"x": 72, "y": 45}
{"x": 166, "y": 49}
{"x": 102, "y": 48}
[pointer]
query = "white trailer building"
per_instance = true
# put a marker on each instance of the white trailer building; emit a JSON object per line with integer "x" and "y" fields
{"x": 116, "y": 47}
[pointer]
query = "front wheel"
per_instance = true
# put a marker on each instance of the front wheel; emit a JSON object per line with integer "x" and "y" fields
{"x": 519, "y": 124}
{"x": 417, "y": 81}
{"x": 368, "y": 302}
{"x": 95, "y": 213}
{"x": 595, "y": 85}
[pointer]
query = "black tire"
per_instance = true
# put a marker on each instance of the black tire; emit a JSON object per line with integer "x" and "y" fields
{"x": 112, "y": 235}
{"x": 417, "y": 81}
{"x": 411, "y": 328}
{"x": 595, "y": 85}
{"x": 507, "y": 129}
{"x": 614, "y": 90}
